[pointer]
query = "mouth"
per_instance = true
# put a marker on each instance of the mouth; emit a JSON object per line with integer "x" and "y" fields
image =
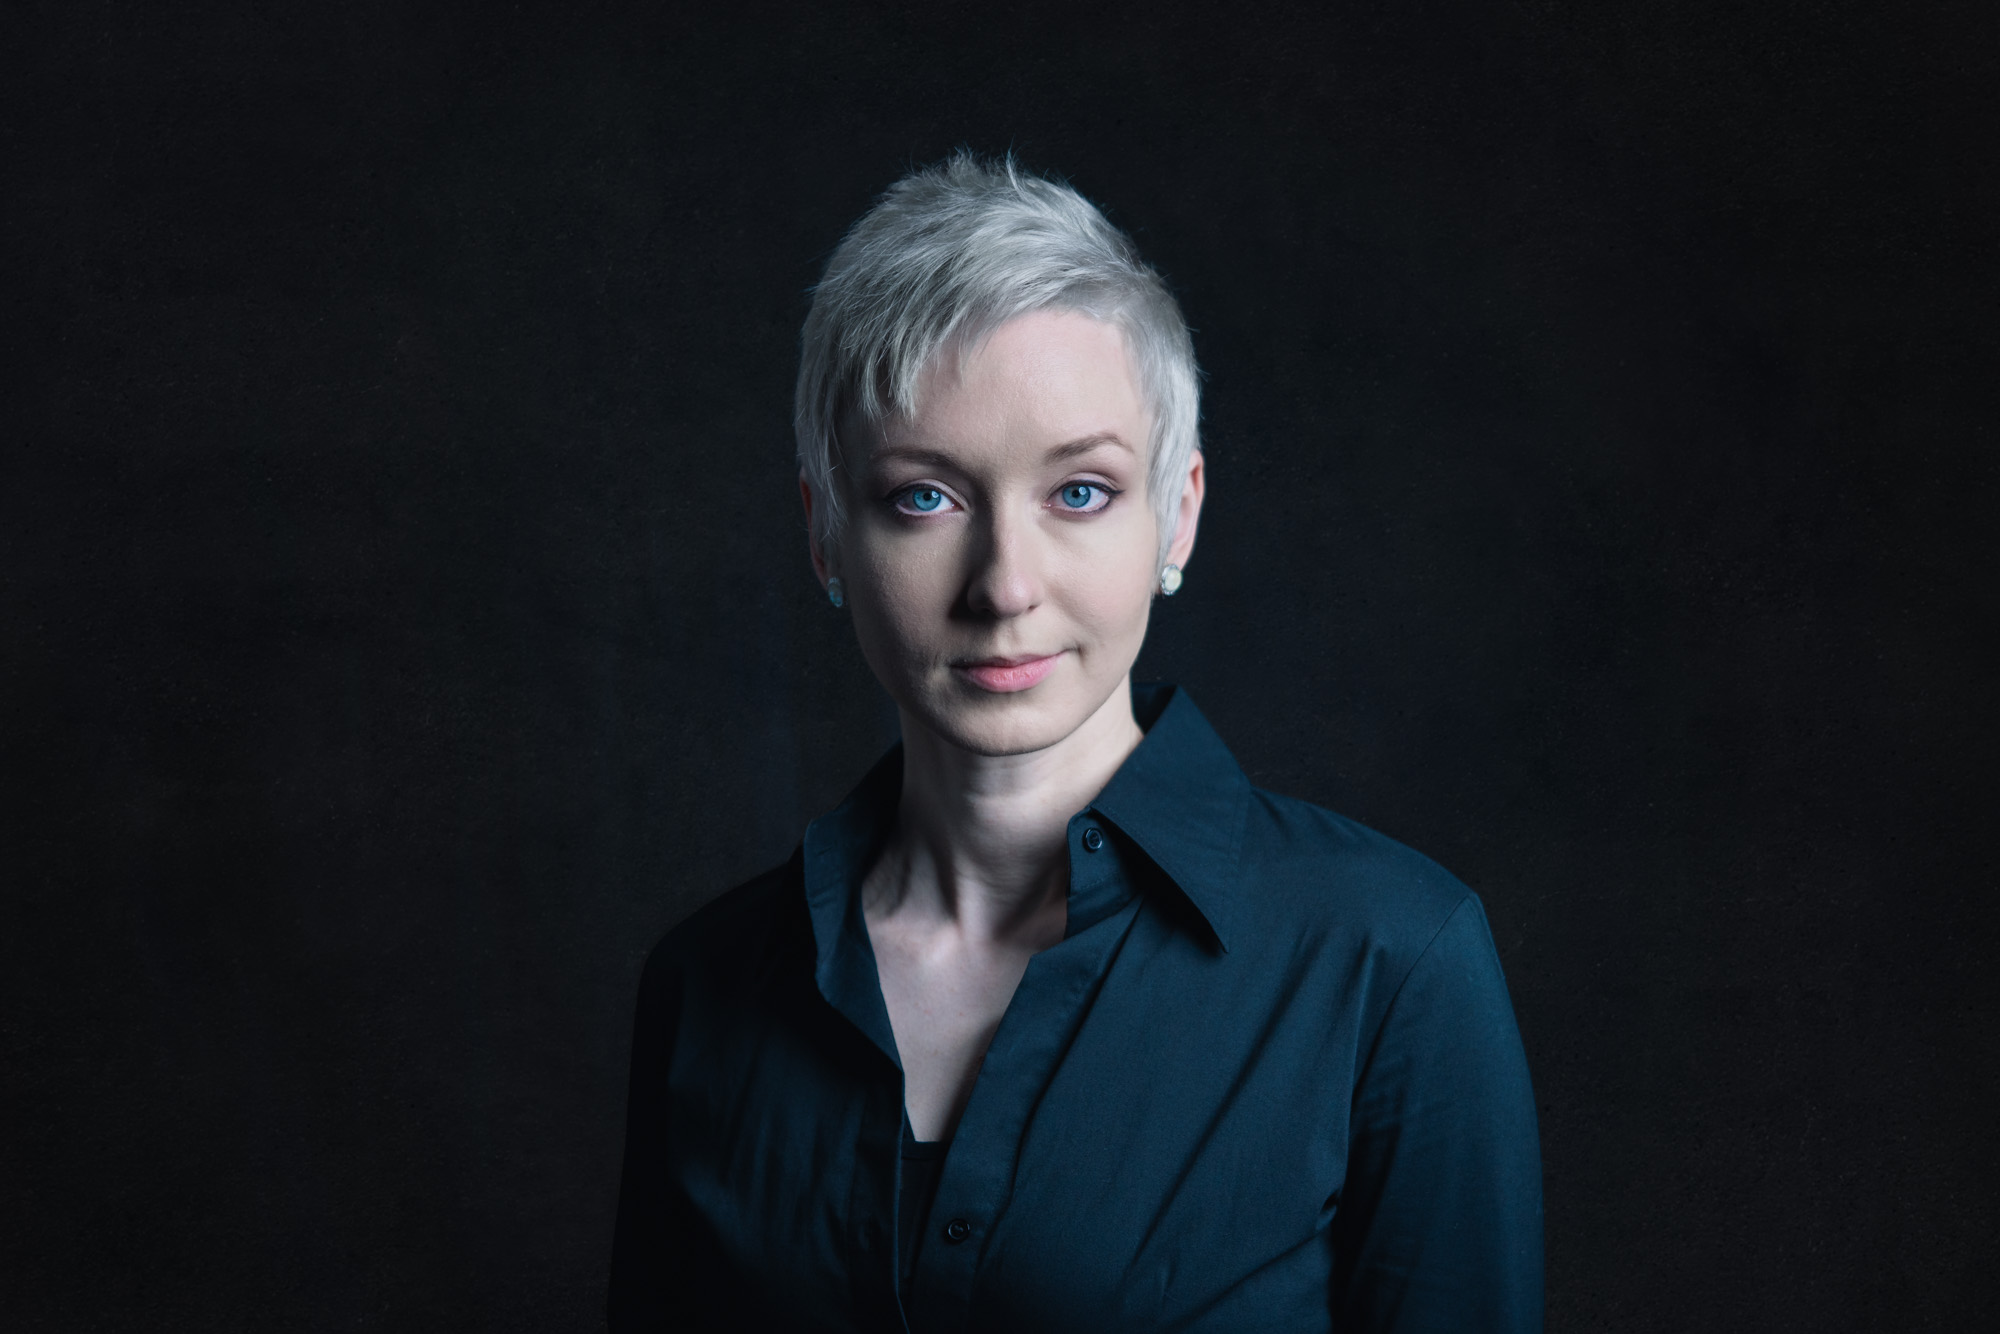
{"x": 1005, "y": 676}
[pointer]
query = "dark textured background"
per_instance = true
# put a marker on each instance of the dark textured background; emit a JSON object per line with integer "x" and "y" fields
{"x": 406, "y": 615}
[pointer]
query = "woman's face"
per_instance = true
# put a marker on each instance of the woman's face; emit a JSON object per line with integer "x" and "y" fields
{"x": 1000, "y": 559}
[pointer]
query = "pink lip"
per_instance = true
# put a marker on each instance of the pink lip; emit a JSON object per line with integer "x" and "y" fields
{"x": 1004, "y": 676}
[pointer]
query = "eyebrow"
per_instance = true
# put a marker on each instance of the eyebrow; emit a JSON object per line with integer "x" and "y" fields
{"x": 1069, "y": 449}
{"x": 1084, "y": 444}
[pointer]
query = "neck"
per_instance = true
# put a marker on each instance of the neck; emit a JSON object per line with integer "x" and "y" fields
{"x": 981, "y": 840}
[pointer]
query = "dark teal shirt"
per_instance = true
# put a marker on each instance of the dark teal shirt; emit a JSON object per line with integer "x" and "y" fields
{"x": 1270, "y": 1080}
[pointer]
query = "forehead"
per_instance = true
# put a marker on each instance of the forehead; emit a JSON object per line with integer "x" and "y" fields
{"x": 1037, "y": 380}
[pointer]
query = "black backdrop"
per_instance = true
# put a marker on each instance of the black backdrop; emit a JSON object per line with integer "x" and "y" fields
{"x": 406, "y": 615}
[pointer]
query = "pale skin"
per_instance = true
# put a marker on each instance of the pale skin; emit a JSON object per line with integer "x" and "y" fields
{"x": 999, "y": 561}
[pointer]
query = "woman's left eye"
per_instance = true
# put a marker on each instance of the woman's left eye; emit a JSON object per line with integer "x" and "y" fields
{"x": 1084, "y": 497}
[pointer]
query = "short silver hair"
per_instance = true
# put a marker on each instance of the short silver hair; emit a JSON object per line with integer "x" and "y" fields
{"x": 950, "y": 253}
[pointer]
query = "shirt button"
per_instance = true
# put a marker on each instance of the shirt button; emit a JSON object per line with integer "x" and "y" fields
{"x": 957, "y": 1230}
{"x": 1093, "y": 839}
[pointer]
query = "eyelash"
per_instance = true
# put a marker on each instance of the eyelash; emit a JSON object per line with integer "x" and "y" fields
{"x": 1109, "y": 493}
{"x": 901, "y": 499}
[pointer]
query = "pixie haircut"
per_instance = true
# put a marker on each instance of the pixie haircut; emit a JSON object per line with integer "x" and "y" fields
{"x": 946, "y": 256}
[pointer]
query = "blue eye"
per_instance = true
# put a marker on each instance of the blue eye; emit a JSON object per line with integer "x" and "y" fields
{"x": 1078, "y": 495}
{"x": 926, "y": 498}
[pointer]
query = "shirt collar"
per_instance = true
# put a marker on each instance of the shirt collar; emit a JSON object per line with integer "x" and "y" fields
{"x": 839, "y": 848}
{"x": 1182, "y": 798}
{"x": 1179, "y": 797}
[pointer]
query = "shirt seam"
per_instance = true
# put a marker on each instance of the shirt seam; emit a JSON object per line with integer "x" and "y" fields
{"x": 1375, "y": 1039}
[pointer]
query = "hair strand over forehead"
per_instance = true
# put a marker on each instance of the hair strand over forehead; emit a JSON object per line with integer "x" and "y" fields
{"x": 948, "y": 254}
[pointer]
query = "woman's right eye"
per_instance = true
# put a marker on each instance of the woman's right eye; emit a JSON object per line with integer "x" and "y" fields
{"x": 922, "y": 500}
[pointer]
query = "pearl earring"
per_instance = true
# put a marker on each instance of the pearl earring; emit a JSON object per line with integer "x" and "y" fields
{"x": 834, "y": 593}
{"x": 1170, "y": 580}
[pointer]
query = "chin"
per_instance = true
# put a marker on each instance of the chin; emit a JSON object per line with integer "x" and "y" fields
{"x": 1013, "y": 724}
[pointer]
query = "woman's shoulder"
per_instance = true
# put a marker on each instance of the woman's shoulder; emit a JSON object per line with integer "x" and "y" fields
{"x": 1317, "y": 870}
{"x": 762, "y": 916}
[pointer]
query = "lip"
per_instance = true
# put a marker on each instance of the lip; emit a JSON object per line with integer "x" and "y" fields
{"x": 1005, "y": 676}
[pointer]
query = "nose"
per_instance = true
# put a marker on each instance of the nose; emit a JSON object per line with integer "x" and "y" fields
{"x": 1005, "y": 579}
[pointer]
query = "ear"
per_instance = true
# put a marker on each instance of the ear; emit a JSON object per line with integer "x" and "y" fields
{"x": 1192, "y": 491}
{"x": 820, "y": 566}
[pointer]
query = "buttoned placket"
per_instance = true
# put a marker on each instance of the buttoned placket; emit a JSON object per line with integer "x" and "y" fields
{"x": 1051, "y": 1001}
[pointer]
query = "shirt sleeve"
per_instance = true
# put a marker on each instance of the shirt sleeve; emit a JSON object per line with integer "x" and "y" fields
{"x": 1439, "y": 1223}
{"x": 648, "y": 1252}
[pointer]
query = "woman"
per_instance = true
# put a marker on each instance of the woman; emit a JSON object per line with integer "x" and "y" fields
{"x": 1057, "y": 1023}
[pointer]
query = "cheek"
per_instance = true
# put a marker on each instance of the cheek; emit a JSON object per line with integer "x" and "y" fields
{"x": 900, "y": 595}
{"x": 1113, "y": 592}
{"x": 911, "y": 579}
